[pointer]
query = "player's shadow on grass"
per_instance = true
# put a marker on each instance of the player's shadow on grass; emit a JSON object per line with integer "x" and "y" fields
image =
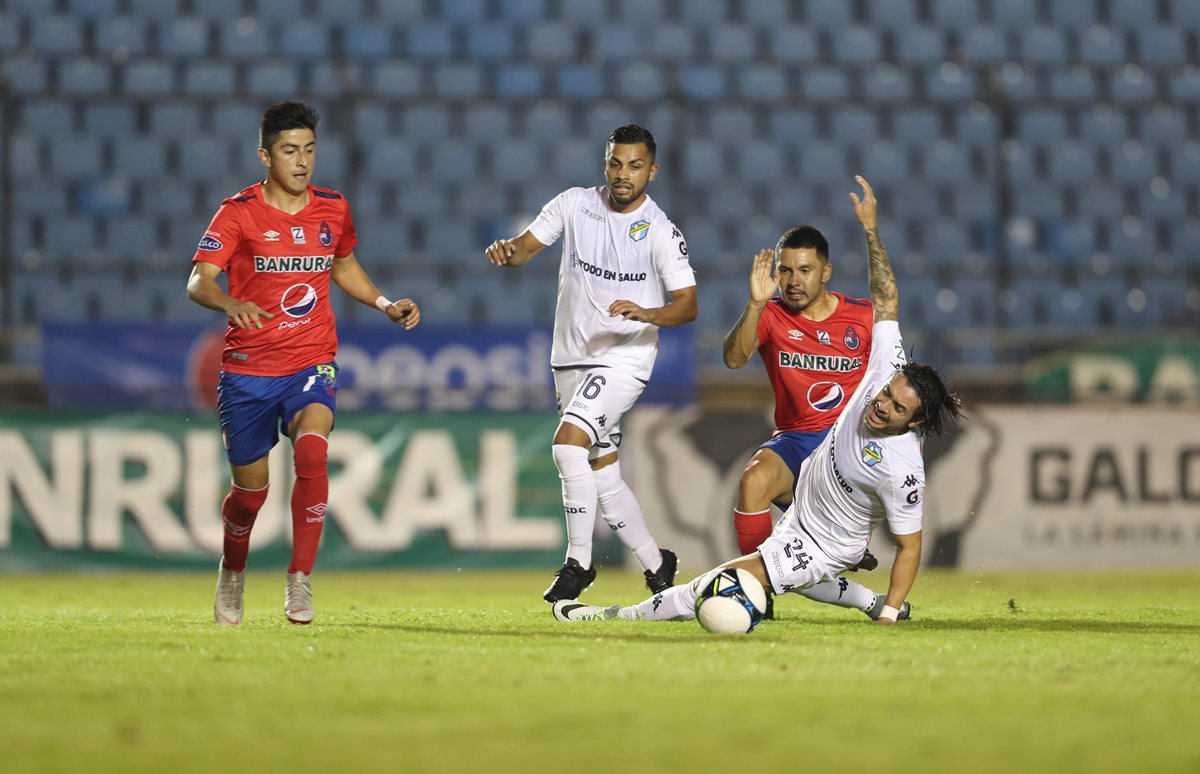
{"x": 685, "y": 631}
{"x": 1018, "y": 622}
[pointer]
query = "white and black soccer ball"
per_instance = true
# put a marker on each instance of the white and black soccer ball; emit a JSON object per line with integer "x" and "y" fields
{"x": 731, "y": 601}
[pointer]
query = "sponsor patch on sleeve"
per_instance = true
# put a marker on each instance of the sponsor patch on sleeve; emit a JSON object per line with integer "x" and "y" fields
{"x": 210, "y": 243}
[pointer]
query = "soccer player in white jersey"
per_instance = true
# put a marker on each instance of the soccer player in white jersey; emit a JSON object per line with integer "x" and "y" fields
{"x": 867, "y": 469}
{"x": 620, "y": 252}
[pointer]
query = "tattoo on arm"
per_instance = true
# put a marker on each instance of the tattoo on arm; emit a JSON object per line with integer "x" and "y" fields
{"x": 735, "y": 344}
{"x": 882, "y": 279}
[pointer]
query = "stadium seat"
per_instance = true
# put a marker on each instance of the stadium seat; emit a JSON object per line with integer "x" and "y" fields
{"x": 640, "y": 81}
{"x": 185, "y": 37}
{"x": 1130, "y": 85}
{"x": 1071, "y": 240}
{"x": 946, "y": 163}
{"x": 364, "y": 41}
{"x": 519, "y": 82}
{"x": 551, "y": 42}
{"x": 10, "y": 35}
{"x": 71, "y": 237}
{"x": 761, "y": 163}
{"x": 73, "y": 157}
{"x": 131, "y": 237}
{"x": 768, "y": 14}
{"x": 1072, "y": 164}
{"x": 489, "y": 42}
{"x": 601, "y": 118}
{"x": 915, "y": 126}
{"x": 824, "y": 162}
{"x": 1073, "y": 86}
{"x": 699, "y": 14}
{"x": 549, "y": 122}
{"x": 885, "y": 163}
{"x": 792, "y": 44}
{"x": 703, "y": 162}
{"x": 305, "y": 40}
{"x": 56, "y": 36}
{"x": 1041, "y": 127}
{"x": 977, "y": 201}
{"x": 671, "y": 43}
{"x": 1130, "y": 14}
{"x": 1185, "y": 163}
{"x": 1160, "y": 201}
{"x": 209, "y": 78}
{"x": 1130, "y": 239}
{"x": 212, "y": 10}
{"x": 27, "y": 77}
{"x": 856, "y": 46}
{"x": 84, "y": 77}
{"x": 46, "y": 117}
{"x": 448, "y": 240}
{"x": 333, "y": 80}
{"x": 41, "y": 295}
{"x": 390, "y": 159}
{"x": 460, "y": 11}
{"x": 274, "y": 11}
{"x": 1073, "y": 17}
{"x": 1184, "y": 15}
{"x": 487, "y": 122}
{"x": 732, "y": 45}
{"x": 395, "y": 79}
{"x": 272, "y": 80}
{"x": 762, "y": 83}
{"x": 245, "y": 39}
{"x": 1161, "y": 47}
{"x": 984, "y": 46}
{"x": 92, "y": 9}
{"x": 1040, "y": 45}
{"x": 236, "y": 121}
{"x": 1185, "y": 84}
{"x": 855, "y": 125}
{"x": 702, "y": 82}
{"x": 916, "y": 45}
{"x": 37, "y": 195}
{"x": 950, "y": 83}
{"x": 140, "y": 157}
{"x": 333, "y": 162}
{"x": 172, "y": 198}
{"x": 173, "y": 117}
{"x": 574, "y": 157}
{"x": 1163, "y": 126}
{"x": 1103, "y": 126}
{"x": 825, "y": 84}
{"x": 419, "y": 203}
{"x": 148, "y": 79}
{"x": 458, "y": 81}
{"x": 1101, "y": 46}
{"x": 954, "y": 14}
{"x": 203, "y": 159}
{"x": 828, "y": 15}
{"x": 730, "y": 124}
{"x": 1100, "y": 201}
{"x": 392, "y": 13}
{"x": 426, "y": 121}
{"x": 104, "y": 196}
{"x": 1018, "y": 85}
{"x": 523, "y": 11}
{"x": 1132, "y": 164}
{"x": 517, "y": 159}
{"x": 1039, "y": 200}
{"x": 579, "y": 83}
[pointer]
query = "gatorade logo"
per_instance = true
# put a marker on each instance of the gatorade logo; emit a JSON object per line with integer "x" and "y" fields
{"x": 299, "y": 300}
{"x": 826, "y": 396}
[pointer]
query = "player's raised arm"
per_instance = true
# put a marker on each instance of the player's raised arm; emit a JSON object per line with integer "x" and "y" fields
{"x": 879, "y": 269}
{"x": 742, "y": 340}
{"x": 203, "y": 289}
{"x": 515, "y": 251}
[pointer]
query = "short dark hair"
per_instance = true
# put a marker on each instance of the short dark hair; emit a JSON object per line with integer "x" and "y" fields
{"x": 632, "y": 134}
{"x": 283, "y": 116}
{"x": 803, "y": 238}
{"x": 939, "y": 407}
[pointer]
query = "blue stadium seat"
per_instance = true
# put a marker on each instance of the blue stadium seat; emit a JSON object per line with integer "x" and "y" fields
{"x": 73, "y": 157}
{"x": 1130, "y": 239}
{"x": 1167, "y": 302}
{"x": 204, "y": 159}
{"x": 27, "y": 77}
{"x": 209, "y": 78}
{"x": 140, "y": 157}
{"x": 148, "y": 78}
{"x": 1074, "y": 17}
{"x": 489, "y": 42}
{"x": 245, "y": 39}
{"x": 306, "y": 40}
{"x": 917, "y": 45}
{"x": 789, "y": 206}
{"x": 391, "y": 158}
{"x": 792, "y": 44}
{"x": 274, "y": 11}
{"x": 768, "y": 14}
{"x": 1184, "y": 14}
{"x": 1161, "y": 47}
{"x": 333, "y": 162}
{"x": 517, "y": 159}
{"x": 1038, "y": 200}
{"x": 1101, "y": 201}
{"x": 1183, "y": 241}
{"x": 84, "y": 77}
{"x": 856, "y": 45}
{"x": 702, "y": 82}
{"x": 640, "y": 81}
{"x": 732, "y": 44}
{"x": 396, "y": 79}
{"x": 1163, "y": 126}
{"x": 946, "y": 241}
{"x": 363, "y": 41}
{"x": 1130, "y": 14}
{"x": 1018, "y": 15}
{"x": 698, "y": 14}
{"x": 184, "y": 38}
{"x": 212, "y": 10}
{"x": 426, "y": 121}
{"x": 730, "y": 124}
{"x": 487, "y": 122}
{"x": 825, "y": 84}
{"x": 71, "y": 237}
{"x": 1157, "y": 201}
{"x": 885, "y": 84}
{"x": 131, "y": 237}
{"x": 791, "y": 127}
{"x": 448, "y": 240}
{"x": 1132, "y": 164}
{"x": 977, "y": 202}
{"x": 46, "y": 117}
{"x": 1041, "y": 127}
{"x": 824, "y": 162}
{"x": 28, "y": 154}
{"x": 1073, "y": 86}
{"x": 966, "y": 302}
{"x": 946, "y": 163}
{"x": 10, "y": 35}
{"x": 458, "y": 81}
{"x": 915, "y": 126}
{"x": 1072, "y": 164}
{"x": 521, "y": 303}
{"x": 1101, "y": 125}
{"x": 1018, "y": 84}
{"x": 985, "y": 45}
{"x": 1185, "y": 163}
{"x": 40, "y": 295}
{"x": 954, "y": 14}
{"x": 574, "y": 157}
{"x": 761, "y": 163}
{"x": 550, "y": 42}
{"x": 549, "y": 122}
{"x": 762, "y": 83}
{"x": 885, "y": 163}
{"x": 828, "y": 15}
{"x": 104, "y": 120}
{"x": 452, "y": 161}
{"x": 1130, "y": 85}
{"x": 236, "y": 121}
{"x": 105, "y": 196}
{"x": 395, "y": 12}
{"x": 1101, "y": 46}
{"x": 174, "y": 117}
{"x": 649, "y": 13}
{"x": 333, "y": 80}
{"x": 1185, "y": 84}
{"x": 703, "y": 162}
{"x": 56, "y": 37}
{"x": 523, "y": 11}
{"x": 272, "y": 80}
{"x": 855, "y": 125}
{"x": 949, "y": 83}
{"x": 582, "y": 83}
{"x": 1042, "y": 45}
{"x": 517, "y": 81}
{"x": 38, "y": 196}
{"x": 601, "y": 118}
{"x": 92, "y": 9}
{"x": 671, "y": 43}
{"x": 611, "y": 43}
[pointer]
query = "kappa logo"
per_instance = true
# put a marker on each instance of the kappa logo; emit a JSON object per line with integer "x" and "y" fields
{"x": 299, "y": 300}
{"x": 795, "y": 335}
{"x": 639, "y": 229}
{"x": 600, "y": 420}
{"x": 911, "y": 480}
{"x": 658, "y": 600}
{"x": 271, "y": 236}
{"x": 325, "y": 234}
{"x": 826, "y": 396}
{"x": 823, "y": 337}
{"x": 298, "y": 235}
{"x": 872, "y": 454}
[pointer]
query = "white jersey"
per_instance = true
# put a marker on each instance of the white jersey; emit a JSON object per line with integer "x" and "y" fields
{"x": 609, "y": 256}
{"x": 856, "y": 477}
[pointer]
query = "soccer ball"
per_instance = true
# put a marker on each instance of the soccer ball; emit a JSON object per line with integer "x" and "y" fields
{"x": 731, "y": 601}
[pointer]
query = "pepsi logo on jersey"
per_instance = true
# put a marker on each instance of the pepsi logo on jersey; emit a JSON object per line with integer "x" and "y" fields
{"x": 826, "y": 396}
{"x": 299, "y": 300}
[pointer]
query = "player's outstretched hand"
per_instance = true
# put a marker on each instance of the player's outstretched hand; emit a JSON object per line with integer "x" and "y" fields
{"x": 864, "y": 208}
{"x": 247, "y": 314}
{"x": 500, "y": 251}
{"x": 629, "y": 310}
{"x": 404, "y": 312}
{"x": 763, "y": 282}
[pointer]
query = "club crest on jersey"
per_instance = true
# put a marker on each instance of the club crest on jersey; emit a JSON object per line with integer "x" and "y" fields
{"x": 872, "y": 454}
{"x": 299, "y": 300}
{"x": 298, "y": 235}
{"x": 823, "y": 337}
{"x": 851, "y": 339}
{"x": 639, "y": 229}
{"x": 210, "y": 243}
{"x": 325, "y": 234}
{"x": 826, "y": 396}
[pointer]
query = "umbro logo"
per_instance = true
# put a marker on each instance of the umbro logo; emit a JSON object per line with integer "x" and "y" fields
{"x": 318, "y": 514}
{"x": 911, "y": 480}
{"x": 271, "y": 236}
{"x": 795, "y": 335}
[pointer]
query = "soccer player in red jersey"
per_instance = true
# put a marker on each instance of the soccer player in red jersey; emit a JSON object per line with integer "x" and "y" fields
{"x": 814, "y": 343}
{"x": 280, "y": 242}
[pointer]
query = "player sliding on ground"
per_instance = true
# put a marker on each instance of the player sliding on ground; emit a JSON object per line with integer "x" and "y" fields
{"x": 867, "y": 469}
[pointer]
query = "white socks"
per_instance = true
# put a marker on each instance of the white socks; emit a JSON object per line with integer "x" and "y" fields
{"x": 677, "y": 603}
{"x": 842, "y": 592}
{"x": 621, "y": 511}
{"x": 579, "y": 499}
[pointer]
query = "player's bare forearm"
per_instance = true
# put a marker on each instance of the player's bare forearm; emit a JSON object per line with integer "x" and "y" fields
{"x": 742, "y": 340}
{"x": 353, "y": 280}
{"x": 514, "y": 252}
{"x": 881, "y": 278}
{"x": 904, "y": 569}
{"x": 681, "y": 309}
{"x": 202, "y": 288}
{"x": 205, "y": 291}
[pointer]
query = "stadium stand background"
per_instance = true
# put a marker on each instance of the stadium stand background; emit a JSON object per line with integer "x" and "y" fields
{"x": 1037, "y": 161}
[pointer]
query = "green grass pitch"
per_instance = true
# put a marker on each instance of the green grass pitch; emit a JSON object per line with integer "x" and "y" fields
{"x": 467, "y": 672}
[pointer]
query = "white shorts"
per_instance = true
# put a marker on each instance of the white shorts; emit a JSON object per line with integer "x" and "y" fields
{"x": 793, "y": 560}
{"x": 594, "y": 400}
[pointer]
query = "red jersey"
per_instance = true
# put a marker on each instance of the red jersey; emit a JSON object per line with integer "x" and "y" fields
{"x": 814, "y": 367}
{"x": 282, "y": 263}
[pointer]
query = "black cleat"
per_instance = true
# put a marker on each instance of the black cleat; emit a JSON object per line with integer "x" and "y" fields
{"x": 769, "y": 613}
{"x": 867, "y": 563}
{"x": 570, "y": 581}
{"x": 660, "y": 581}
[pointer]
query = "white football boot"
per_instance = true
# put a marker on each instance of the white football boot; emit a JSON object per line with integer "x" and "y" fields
{"x": 297, "y": 599}
{"x": 574, "y": 610}
{"x": 227, "y": 602}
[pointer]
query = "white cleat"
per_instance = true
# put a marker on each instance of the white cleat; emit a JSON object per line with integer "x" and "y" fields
{"x": 574, "y": 610}
{"x": 297, "y": 600}
{"x": 227, "y": 602}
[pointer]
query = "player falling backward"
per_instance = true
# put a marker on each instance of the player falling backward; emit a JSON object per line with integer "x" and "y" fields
{"x": 619, "y": 254}
{"x": 280, "y": 241}
{"x": 867, "y": 469}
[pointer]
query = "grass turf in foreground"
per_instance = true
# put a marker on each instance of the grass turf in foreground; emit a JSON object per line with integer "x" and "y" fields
{"x": 457, "y": 672}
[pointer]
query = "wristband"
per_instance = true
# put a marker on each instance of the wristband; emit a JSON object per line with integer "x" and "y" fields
{"x": 382, "y": 304}
{"x": 890, "y": 613}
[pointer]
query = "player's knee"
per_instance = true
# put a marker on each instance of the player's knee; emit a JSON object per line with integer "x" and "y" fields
{"x": 310, "y": 453}
{"x": 571, "y": 461}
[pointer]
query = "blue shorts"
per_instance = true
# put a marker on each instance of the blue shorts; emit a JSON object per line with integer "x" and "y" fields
{"x": 255, "y": 410}
{"x": 794, "y": 447}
